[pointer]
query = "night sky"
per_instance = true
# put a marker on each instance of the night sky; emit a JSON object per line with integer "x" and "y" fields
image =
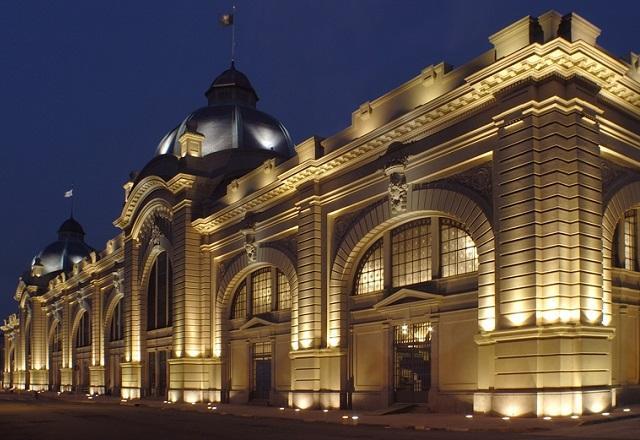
{"x": 88, "y": 88}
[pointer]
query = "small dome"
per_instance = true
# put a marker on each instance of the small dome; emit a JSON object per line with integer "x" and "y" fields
{"x": 63, "y": 253}
{"x": 231, "y": 121}
{"x": 71, "y": 226}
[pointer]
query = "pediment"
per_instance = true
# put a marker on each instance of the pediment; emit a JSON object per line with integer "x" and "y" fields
{"x": 256, "y": 322}
{"x": 407, "y": 296}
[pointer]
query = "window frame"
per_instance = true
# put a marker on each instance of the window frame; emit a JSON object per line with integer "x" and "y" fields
{"x": 154, "y": 321}
{"x": 274, "y": 295}
{"x": 386, "y": 239}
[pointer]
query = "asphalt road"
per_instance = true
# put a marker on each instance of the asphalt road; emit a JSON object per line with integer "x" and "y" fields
{"x": 52, "y": 420}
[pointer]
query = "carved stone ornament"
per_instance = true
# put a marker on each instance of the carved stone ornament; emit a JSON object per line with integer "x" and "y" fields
{"x": 398, "y": 187}
{"x": 56, "y": 315}
{"x": 118, "y": 284}
{"x": 250, "y": 244}
{"x": 251, "y": 250}
{"x": 156, "y": 235}
{"x": 82, "y": 303}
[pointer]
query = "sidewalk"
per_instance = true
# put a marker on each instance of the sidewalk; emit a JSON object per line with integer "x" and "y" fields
{"x": 417, "y": 421}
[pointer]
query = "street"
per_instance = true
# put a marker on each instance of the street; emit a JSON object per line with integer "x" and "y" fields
{"x": 51, "y": 420}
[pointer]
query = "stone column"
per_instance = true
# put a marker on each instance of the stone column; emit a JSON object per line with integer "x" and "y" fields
{"x": 97, "y": 369}
{"x": 39, "y": 373}
{"x": 132, "y": 367}
{"x": 191, "y": 370}
{"x": 551, "y": 354}
{"x": 66, "y": 371}
{"x": 316, "y": 370}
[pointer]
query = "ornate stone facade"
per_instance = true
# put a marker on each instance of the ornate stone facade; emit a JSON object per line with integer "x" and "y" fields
{"x": 468, "y": 242}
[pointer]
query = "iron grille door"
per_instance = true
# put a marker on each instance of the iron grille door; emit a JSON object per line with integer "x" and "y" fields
{"x": 412, "y": 362}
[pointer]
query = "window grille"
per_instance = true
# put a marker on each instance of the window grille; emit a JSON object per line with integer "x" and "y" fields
{"x": 370, "y": 273}
{"x": 458, "y": 252}
{"x": 261, "y": 291}
{"x": 411, "y": 253}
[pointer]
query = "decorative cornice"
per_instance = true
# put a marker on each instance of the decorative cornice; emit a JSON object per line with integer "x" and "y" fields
{"x": 537, "y": 61}
{"x": 145, "y": 187}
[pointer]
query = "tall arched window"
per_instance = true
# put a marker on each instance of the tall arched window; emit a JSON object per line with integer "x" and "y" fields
{"x": 116, "y": 329}
{"x": 160, "y": 293}
{"x": 56, "y": 343}
{"x": 630, "y": 228}
{"x": 83, "y": 334}
{"x": 411, "y": 250}
{"x": 263, "y": 291}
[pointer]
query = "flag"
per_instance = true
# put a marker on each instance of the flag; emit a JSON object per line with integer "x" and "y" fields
{"x": 226, "y": 19}
{"x": 68, "y": 194}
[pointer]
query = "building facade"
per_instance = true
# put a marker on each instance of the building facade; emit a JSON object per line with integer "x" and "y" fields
{"x": 469, "y": 241}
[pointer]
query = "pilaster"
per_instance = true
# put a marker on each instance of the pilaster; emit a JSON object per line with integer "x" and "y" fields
{"x": 97, "y": 379}
{"x": 38, "y": 373}
{"x": 187, "y": 319}
{"x": 132, "y": 368}
{"x": 97, "y": 368}
{"x": 550, "y": 354}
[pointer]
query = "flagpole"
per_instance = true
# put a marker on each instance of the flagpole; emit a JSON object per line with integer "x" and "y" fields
{"x": 233, "y": 35}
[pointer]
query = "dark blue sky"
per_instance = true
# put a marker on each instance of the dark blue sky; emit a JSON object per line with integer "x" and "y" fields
{"x": 88, "y": 88}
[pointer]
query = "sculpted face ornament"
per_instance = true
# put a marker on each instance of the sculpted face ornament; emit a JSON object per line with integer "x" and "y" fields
{"x": 250, "y": 246}
{"x": 251, "y": 250}
{"x": 156, "y": 235}
{"x": 398, "y": 188}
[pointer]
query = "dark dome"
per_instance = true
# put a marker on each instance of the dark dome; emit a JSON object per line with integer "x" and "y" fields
{"x": 63, "y": 253}
{"x": 231, "y": 121}
{"x": 71, "y": 226}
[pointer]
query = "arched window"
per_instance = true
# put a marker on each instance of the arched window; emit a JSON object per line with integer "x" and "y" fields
{"x": 630, "y": 228}
{"x": 370, "y": 272}
{"x": 261, "y": 287}
{"x": 263, "y": 291}
{"x": 116, "y": 330}
{"x": 458, "y": 252}
{"x": 83, "y": 334}
{"x": 411, "y": 249}
{"x": 411, "y": 253}
{"x": 56, "y": 343}
{"x": 160, "y": 293}
{"x": 284, "y": 292}
{"x": 239, "y": 309}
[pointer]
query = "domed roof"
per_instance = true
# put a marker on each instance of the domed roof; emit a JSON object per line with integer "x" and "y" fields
{"x": 231, "y": 121}
{"x": 63, "y": 253}
{"x": 71, "y": 226}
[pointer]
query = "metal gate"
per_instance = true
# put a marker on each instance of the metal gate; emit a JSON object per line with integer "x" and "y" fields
{"x": 412, "y": 362}
{"x": 261, "y": 371}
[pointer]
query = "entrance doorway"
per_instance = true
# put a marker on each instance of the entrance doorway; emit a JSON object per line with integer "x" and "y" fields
{"x": 157, "y": 373}
{"x": 412, "y": 362}
{"x": 261, "y": 371}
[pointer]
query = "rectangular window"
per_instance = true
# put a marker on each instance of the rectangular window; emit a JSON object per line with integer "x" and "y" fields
{"x": 411, "y": 253}
{"x": 261, "y": 290}
{"x": 284, "y": 292}
{"x": 458, "y": 251}
{"x": 630, "y": 240}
